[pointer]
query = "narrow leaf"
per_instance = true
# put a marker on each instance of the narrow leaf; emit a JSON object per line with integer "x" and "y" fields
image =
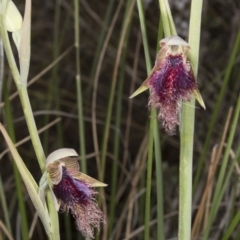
{"x": 29, "y": 182}
{"x": 24, "y": 48}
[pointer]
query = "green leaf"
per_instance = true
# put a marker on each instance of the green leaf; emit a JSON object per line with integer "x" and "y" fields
{"x": 29, "y": 182}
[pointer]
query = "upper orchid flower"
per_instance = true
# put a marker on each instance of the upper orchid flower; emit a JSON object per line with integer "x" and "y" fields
{"x": 171, "y": 81}
{"x": 73, "y": 190}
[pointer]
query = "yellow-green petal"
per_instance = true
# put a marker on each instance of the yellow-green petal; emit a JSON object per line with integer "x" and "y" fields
{"x": 141, "y": 89}
{"x": 13, "y": 18}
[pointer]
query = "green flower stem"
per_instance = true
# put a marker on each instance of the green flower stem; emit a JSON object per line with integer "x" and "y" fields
{"x": 40, "y": 155}
{"x": 27, "y": 109}
{"x": 185, "y": 174}
{"x": 22, "y": 90}
{"x": 187, "y": 131}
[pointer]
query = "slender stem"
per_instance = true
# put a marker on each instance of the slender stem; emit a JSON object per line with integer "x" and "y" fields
{"x": 149, "y": 176}
{"x": 4, "y": 207}
{"x": 30, "y": 122}
{"x": 158, "y": 161}
{"x": 101, "y": 37}
{"x": 18, "y": 180}
{"x": 151, "y": 127}
{"x": 117, "y": 136}
{"x": 79, "y": 89}
{"x": 185, "y": 174}
{"x": 187, "y": 131}
{"x": 216, "y": 109}
{"x": 124, "y": 31}
{"x": 27, "y": 109}
{"x": 220, "y": 185}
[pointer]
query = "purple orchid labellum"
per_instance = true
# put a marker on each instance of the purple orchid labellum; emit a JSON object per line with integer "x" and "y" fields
{"x": 73, "y": 190}
{"x": 171, "y": 82}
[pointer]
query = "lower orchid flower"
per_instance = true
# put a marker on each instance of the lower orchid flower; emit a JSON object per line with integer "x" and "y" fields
{"x": 171, "y": 82}
{"x": 73, "y": 190}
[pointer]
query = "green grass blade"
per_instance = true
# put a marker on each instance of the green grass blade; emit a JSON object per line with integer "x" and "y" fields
{"x": 5, "y": 207}
{"x": 79, "y": 90}
{"x": 158, "y": 161}
{"x": 166, "y": 18}
{"x": 117, "y": 136}
{"x": 160, "y": 195}
{"x": 18, "y": 182}
{"x": 233, "y": 224}
{"x": 30, "y": 183}
{"x": 218, "y": 193}
{"x": 30, "y": 123}
{"x": 101, "y": 42}
{"x": 123, "y": 35}
{"x": 216, "y": 109}
{"x": 152, "y": 124}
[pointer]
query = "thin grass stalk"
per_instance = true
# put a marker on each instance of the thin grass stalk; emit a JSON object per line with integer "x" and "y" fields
{"x": 117, "y": 137}
{"x": 164, "y": 18}
{"x": 159, "y": 184}
{"x": 100, "y": 43}
{"x": 170, "y": 18}
{"x": 65, "y": 27}
{"x": 4, "y": 207}
{"x": 123, "y": 35}
{"x": 55, "y": 76}
{"x": 158, "y": 161}
{"x": 24, "y": 98}
{"x": 30, "y": 122}
{"x": 187, "y": 131}
{"x": 233, "y": 217}
{"x": 1, "y": 69}
{"x": 40, "y": 156}
{"x": 234, "y": 197}
{"x": 151, "y": 127}
{"x": 18, "y": 181}
{"x": 221, "y": 185}
{"x": 53, "y": 89}
{"x": 79, "y": 90}
{"x": 95, "y": 84}
{"x": 128, "y": 115}
{"x": 113, "y": 86}
{"x": 149, "y": 177}
{"x": 233, "y": 224}
{"x": 217, "y": 109}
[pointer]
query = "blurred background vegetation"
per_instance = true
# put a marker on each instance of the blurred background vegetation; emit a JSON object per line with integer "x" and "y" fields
{"x": 53, "y": 94}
